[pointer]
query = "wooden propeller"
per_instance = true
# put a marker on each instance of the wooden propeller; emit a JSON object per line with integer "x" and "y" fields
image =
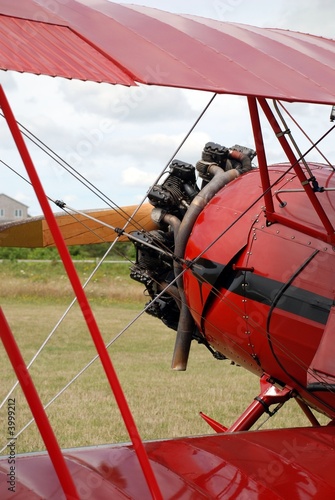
{"x": 77, "y": 229}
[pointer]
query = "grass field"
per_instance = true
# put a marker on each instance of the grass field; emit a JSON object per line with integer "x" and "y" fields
{"x": 164, "y": 403}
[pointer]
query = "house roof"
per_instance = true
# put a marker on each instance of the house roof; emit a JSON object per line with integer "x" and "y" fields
{"x": 2, "y": 195}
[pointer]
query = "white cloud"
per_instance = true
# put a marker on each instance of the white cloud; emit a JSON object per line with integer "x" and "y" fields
{"x": 134, "y": 104}
{"x": 133, "y": 176}
{"x": 314, "y": 16}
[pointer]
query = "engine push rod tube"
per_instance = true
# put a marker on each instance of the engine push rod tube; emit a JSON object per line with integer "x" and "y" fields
{"x": 186, "y": 323}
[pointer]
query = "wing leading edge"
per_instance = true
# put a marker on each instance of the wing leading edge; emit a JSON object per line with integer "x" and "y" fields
{"x": 125, "y": 44}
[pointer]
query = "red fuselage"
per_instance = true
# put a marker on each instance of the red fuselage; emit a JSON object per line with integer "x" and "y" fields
{"x": 261, "y": 294}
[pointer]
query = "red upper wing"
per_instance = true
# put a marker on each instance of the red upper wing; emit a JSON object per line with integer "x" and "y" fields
{"x": 104, "y": 41}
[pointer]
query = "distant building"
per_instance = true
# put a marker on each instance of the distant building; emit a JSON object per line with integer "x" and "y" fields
{"x": 11, "y": 210}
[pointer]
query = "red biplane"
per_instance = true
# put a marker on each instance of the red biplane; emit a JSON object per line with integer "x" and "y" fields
{"x": 241, "y": 263}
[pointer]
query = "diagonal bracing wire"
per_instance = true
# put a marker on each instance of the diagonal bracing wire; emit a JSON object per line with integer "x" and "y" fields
{"x": 111, "y": 342}
{"x": 47, "y": 150}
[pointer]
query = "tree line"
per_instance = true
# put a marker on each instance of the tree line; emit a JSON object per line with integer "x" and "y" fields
{"x": 119, "y": 251}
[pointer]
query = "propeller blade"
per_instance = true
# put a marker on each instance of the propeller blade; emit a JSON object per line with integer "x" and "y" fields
{"x": 77, "y": 229}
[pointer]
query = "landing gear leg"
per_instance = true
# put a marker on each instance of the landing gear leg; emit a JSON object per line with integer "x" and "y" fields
{"x": 269, "y": 395}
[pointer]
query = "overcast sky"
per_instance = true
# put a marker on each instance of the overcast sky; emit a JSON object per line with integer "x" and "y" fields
{"x": 68, "y": 115}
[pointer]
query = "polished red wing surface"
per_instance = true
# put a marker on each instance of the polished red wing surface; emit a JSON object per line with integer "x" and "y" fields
{"x": 127, "y": 44}
{"x": 287, "y": 463}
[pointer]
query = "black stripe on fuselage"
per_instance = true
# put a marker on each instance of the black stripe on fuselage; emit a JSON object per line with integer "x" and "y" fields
{"x": 264, "y": 290}
{"x": 294, "y": 300}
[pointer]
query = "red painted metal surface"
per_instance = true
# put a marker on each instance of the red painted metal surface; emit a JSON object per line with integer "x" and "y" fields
{"x": 50, "y": 49}
{"x": 264, "y": 314}
{"x": 323, "y": 362}
{"x": 160, "y": 48}
{"x": 261, "y": 156}
{"x": 269, "y": 395}
{"x": 286, "y": 463}
{"x": 303, "y": 176}
{"x": 213, "y": 423}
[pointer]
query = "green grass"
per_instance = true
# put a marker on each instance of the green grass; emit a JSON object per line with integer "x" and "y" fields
{"x": 40, "y": 281}
{"x": 164, "y": 403}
